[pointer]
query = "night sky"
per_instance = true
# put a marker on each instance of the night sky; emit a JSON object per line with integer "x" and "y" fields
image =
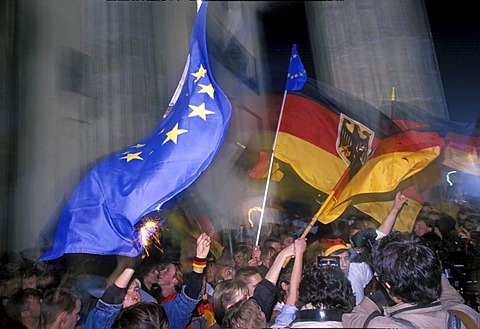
{"x": 455, "y": 30}
{"x": 456, "y": 34}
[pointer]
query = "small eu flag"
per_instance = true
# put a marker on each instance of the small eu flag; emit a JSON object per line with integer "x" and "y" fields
{"x": 102, "y": 214}
{"x": 297, "y": 76}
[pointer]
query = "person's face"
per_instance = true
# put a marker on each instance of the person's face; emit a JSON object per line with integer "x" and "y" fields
{"x": 72, "y": 318}
{"x": 151, "y": 277}
{"x": 166, "y": 276}
{"x": 287, "y": 241}
{"x": 240, "y": 259}
{"x": 344, "y": 261}
{"x": 277, "y": 246}
{"x": 421, "y": 228}
{"x": 30, "y": 282}
{"x": 133, "y": 295}
{"x": 227, "y": 273}
{"x": 252, "y": 282}
{"x": 210, "y": 273}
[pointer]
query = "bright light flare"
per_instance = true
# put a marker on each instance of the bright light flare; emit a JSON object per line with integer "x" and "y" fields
{"x": 147, "y": 230}
{"x": 250, "y": 221}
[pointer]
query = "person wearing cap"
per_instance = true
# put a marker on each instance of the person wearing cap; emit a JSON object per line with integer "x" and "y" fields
{"x": 360, "y": 273}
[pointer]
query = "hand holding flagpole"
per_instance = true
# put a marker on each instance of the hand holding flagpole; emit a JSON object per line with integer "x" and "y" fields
{"x": 296, "y": 78}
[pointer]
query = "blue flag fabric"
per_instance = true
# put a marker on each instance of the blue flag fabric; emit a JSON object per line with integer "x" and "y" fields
{"x": 101, "y": 215}
{"x": 297, "y": 76}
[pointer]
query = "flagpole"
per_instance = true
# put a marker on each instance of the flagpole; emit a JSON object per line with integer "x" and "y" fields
{"x": 296, "y": 78}
{"x": 270, "y": 166}
{"x": 331, "y": 196}
{"x": 177, "y": 91}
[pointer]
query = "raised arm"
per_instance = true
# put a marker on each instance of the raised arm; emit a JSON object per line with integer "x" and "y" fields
{"x": 274, "y": 271}
{"x": 300, "y": 245}
{"x": 388, "y": 223}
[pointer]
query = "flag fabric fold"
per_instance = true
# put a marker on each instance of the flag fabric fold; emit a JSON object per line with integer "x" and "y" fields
{"x": 297, "y": 76}
{"x": 396, "y": 158}
{"x": 102, "y": 214}
{"x": 462, "y": 140}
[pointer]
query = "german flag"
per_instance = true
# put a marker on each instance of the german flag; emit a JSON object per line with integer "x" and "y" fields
{"x": 396, "y": 159}
{"x": 319, "y": 136}
{"x": 462, "y": 140}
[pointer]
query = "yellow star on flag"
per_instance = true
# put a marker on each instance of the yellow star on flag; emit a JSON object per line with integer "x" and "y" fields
{"x": 173, "y": 134}
{"x": 200, "y": 111}
{"x": 207, "y": 89}
{"x": 200, "y": 73}
{"x": 139, "y": 146}
{"x": 132, "y": 156}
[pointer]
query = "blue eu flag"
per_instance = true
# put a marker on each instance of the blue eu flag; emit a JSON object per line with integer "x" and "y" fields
{"x": 297, "y": 76}
{"x": 101, "y": 215}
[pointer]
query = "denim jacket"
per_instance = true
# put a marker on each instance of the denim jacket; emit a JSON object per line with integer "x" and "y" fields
{"x": 179, "y": 312}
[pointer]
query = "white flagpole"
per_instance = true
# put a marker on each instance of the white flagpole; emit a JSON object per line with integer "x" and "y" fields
{"x": 182, "y": 80}
{"x": 262, "y": 212}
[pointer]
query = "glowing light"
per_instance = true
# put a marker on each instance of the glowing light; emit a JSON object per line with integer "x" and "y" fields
{"x": 147, "y": 230}
{"x": 448, "y": 176}
{"x": 250, "y": 221}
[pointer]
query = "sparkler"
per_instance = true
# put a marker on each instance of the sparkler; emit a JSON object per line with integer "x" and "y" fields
{"x": 148, "y": 233}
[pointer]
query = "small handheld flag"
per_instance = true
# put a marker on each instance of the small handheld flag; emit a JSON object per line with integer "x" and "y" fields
{"x": 297, "y": 76}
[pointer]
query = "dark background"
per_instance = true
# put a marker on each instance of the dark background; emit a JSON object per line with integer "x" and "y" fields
{"x": 455, "y": 30}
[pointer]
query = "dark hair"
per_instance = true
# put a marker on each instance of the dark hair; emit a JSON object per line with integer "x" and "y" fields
{"x": 244, "y": 314}
{"x": 408, "y": 267}
{"x": 142, "y": 315}
{"x": 18, "y": 302}
{"x": 146, "y": 266}
{"x": 56, "y": 301}
{"x": 284, "y": 277}
{"x": 327, "y": 287}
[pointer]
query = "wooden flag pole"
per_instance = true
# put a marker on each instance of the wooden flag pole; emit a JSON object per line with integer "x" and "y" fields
{"x": 330, "y": 197}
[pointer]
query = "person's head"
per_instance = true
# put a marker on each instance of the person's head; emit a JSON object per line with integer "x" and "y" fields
{"x": 142, "y": 315}
{"x": 25, "y": 305}
{"x": 408, "y": 268}
{"x": 283, "y": 282}
{"x": 29, "y": 279}
{"x": 251, "y": 275}
{"x": 133, "y": 293}
{"x": 60, "y": 308}
{"x": 147, "y": 272}
{"x": 287, "y": 238}
{"x": 326, "y": 287}
{"x": 226, "y": 294}
{"x": 169, "y": 274}
{"x": 434, "y": 215}
{"x": 211, "y": 272}
{"x": 339, "y": 248}
{"x": 273, "y": 242}
{"x": 310, "y": 256}
{"x": 267, "y": 254}
{"x": 423, "y": 225}
{"x": 244, "y": 314}
{"x": 472, "y": 223}
{"x": 241, "y": 256}
{"x": 224, "y": 272}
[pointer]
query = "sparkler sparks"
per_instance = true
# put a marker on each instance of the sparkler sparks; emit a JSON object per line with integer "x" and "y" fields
{"x": 148, "y": 233}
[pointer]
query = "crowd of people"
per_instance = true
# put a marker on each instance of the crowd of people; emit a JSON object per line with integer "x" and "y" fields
{"x": 357, "y": 273}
